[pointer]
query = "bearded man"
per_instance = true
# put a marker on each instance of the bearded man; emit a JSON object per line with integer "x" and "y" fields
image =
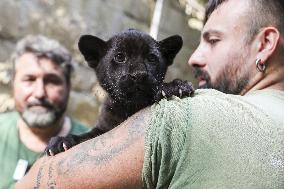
{"x": 41, "y": 86}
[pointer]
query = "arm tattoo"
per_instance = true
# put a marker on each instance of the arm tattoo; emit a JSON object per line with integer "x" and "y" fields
{"x": 39, "y": 176}
{"x": 135, "y": 126}
{"x": 51, "y": 184}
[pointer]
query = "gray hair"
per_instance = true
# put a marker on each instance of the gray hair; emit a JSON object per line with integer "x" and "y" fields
{"x": 45, "y": 47}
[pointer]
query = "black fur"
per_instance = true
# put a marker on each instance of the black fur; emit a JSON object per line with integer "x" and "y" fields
{"x": 131, "y": 67}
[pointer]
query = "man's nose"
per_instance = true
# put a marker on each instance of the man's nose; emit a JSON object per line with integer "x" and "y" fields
{"x": 197, "y": 59}
{"x": 39, "y": 90}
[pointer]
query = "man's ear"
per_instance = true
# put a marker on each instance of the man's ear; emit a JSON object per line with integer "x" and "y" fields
{"x": 267, "y": 41}
{"x": 170, "y": 47}
{"x": 92, "y": 48}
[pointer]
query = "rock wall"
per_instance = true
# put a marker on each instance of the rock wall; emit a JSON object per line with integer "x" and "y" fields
{"x": 66, "y": 20}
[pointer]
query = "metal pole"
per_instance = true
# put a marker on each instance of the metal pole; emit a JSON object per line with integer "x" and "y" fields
{"x": 154, "y": 29}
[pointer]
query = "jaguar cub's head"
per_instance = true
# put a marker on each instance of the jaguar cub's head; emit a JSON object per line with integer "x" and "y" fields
{"x": 130, "y": 64}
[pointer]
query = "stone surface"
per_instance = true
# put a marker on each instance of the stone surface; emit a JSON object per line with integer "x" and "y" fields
{"x": 174, "y": 21}
{"x": 66, "y": 20}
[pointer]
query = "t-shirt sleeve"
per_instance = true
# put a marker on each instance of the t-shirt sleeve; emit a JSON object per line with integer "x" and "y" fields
{"x": 164, "y": 141}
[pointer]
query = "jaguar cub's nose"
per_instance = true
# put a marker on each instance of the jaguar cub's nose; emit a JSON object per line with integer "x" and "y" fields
{"x": 133, "y": 79}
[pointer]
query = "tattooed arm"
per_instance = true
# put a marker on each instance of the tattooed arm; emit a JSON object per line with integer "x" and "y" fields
{"x": 112, "y": 160}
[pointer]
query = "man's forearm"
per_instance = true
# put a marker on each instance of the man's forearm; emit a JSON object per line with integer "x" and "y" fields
{"x": 112, "y": 160}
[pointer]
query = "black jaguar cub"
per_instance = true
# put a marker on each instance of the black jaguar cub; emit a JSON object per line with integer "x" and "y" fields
{"x": 131, "y": 67}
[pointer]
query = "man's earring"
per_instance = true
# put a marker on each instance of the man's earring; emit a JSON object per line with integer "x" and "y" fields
{"x": 260, "y": 67}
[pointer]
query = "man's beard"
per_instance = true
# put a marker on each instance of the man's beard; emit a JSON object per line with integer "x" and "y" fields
{"x": 42, "y": 119}
{"x": 228, "y": 81}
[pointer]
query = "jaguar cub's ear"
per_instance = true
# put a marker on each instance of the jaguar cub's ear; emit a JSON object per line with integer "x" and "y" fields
{"x": 92, "y": 48}
{"x": 170, "y": 47}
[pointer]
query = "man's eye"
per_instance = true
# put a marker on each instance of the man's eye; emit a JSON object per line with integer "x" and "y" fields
{"x": 120, "y": 58}
{"x": 213, "y": 41}
{"x": 152, "y": 58}
{"x": 28, "y": 79}
{"x": 53, "y": 80}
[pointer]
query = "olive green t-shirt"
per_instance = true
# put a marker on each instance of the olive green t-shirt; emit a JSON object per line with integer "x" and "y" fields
{"x": 216, "y": 141}
{"x": 12, "y": 149}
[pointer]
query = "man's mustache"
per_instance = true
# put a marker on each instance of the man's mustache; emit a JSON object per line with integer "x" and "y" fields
{"x": 199, "y": 73}
{"x": 44, "y": 102}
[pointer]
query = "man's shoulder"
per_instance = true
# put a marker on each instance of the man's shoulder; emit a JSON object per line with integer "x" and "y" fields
{"x": 213, "y": 99}
{"x": 202, "y": 98}
{"x": 8, "y": 117}
{"x": 204, "y": 105}
{"x": 5, "y": 115}
{"x": 211, "y": 94}
{"x": 8, "y": 122}
{"x": 208, "y": 106}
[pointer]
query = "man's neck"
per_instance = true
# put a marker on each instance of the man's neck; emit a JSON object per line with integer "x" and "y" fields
{"x": 36, "y": 139}
{"x": 273, "y": 78}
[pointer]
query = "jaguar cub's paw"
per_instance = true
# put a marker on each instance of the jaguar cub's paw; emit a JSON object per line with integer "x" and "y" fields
{"x": 185, "y": 88}
{"x": 60, "y": 144}
{"x": 177, "y": 87}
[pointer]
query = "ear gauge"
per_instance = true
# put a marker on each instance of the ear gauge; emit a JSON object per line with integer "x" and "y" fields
{"x": 260, "y": 66}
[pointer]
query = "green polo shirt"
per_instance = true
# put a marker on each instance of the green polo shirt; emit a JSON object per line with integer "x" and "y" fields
{"x": 12, "y": 149}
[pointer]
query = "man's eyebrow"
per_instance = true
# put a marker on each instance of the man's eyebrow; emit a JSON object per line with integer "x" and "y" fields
{"x": 53, "y": 75}
{"x": 207, "y": 33}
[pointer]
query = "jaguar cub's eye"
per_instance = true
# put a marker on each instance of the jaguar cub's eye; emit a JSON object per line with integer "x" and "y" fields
{"x": 152, "y": 58}
{"x": 120, "y": 58}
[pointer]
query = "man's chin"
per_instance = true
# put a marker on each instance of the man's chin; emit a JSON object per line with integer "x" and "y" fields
{"x": 39, "y": 119}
